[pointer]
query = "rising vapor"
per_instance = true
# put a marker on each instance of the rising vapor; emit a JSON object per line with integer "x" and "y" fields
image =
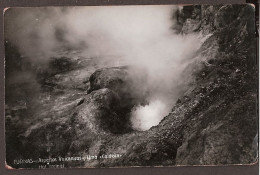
{"x": 140, "y": 36}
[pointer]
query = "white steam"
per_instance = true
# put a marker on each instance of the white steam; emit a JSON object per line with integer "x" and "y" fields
{"x": 143, "y": 117}
{"x": 140, "y": 35}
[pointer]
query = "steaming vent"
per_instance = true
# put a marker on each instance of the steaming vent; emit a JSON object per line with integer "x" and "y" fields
{"x": 141, "y": 37}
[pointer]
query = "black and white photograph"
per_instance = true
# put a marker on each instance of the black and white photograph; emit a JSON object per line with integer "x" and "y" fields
{"x": 130, "y": 86}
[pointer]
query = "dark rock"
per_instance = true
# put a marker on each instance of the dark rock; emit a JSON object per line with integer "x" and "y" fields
{"x": 131, "y": 89}
{"x": 81, "y": 101}
{"x": 112, "y": 78}
{"x": 61, "y": 64}
{"x": 221, "y": 127}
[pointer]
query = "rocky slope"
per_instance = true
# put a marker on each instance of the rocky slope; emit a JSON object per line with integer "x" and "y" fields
{"x": 213, "y": 122}
{"x": 222, "y": 128}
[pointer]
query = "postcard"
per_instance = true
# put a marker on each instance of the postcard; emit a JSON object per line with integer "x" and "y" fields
{"x": 130, "y": 86}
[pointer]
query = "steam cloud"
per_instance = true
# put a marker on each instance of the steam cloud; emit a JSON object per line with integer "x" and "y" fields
{"x": 140, "y": 35}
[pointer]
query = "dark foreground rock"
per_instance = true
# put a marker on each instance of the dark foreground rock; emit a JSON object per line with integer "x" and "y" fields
{"x": 222, "y": 128}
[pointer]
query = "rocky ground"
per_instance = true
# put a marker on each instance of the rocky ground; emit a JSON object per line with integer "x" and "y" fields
{"x": 80, "y": 107}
